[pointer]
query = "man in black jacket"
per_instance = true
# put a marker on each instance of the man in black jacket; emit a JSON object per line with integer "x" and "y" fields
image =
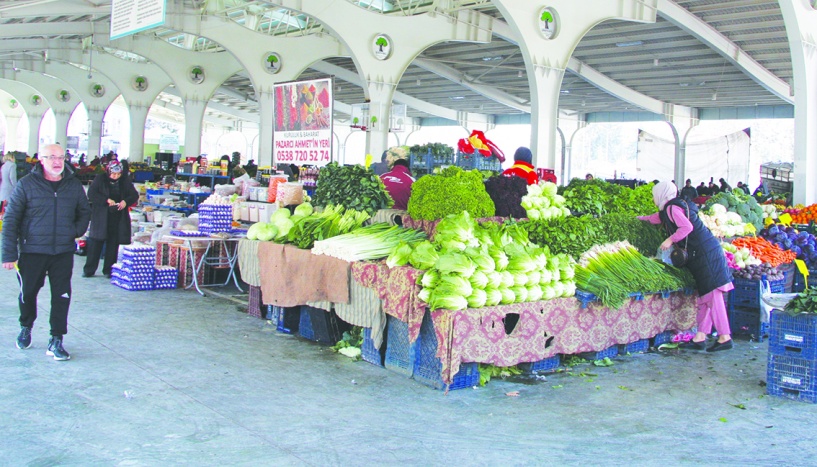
{"x": 47, "y": 211}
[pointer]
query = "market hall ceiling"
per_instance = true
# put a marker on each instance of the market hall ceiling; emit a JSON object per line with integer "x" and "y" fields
{"x": 674, "y": 60}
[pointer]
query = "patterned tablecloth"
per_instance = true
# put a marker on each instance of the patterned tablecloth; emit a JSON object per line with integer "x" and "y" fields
{"x": 552, "y": 327}
{"x": 398, "y": 290}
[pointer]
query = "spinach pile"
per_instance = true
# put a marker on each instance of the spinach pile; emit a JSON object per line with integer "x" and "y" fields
{"x": 805, "y": 302}
{"x": 575, "y": 235}
{"x": 451, "y": 192}
{"x": 351, "y": 186}
{"x": 507, "y": 193}
{"x": 597, "y": 197}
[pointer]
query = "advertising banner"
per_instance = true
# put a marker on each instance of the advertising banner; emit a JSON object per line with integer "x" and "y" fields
{"x": 302, "y": 133}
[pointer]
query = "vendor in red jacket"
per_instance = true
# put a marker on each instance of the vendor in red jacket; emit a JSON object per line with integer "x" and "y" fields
{"x": 522, "y": 166}
{"x": 398, "y": 183}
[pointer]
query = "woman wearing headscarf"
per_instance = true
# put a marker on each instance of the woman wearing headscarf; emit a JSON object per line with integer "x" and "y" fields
{"x": 110, "y": 195}
{"x": 706, "y": 262}
{"x": 8, "y": 178}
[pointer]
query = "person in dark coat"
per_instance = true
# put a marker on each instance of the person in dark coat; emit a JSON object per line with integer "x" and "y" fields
{"x": 110, "y": 194}
{"x": 725, "y": 186}
{"x": 707, "y": 263}
{"x": 702, "y": 189}
{"x": 47, "y": 212}
{"x": 688, "y": 191}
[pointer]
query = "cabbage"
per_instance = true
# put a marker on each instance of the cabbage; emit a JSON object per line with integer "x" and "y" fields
{"x": 424, "y": 255}
{"x": 452, "y": 245}
{"x": 284, "y": 225}
{"x": 457, "y": 227}
{"x": 479, "y": 280}
{"x": 304, "y": 209}
{"x": 499, "y": 257}
{"x": 568, "y": 273}
{"x": 252, "y": 232}
{"x": 555, "y": 276}
{"x": 520, "y": 279}
{"x": 494, "y": 297}
{"x": 521, "y": 294}
{"x": 494, "y": 278}
{"x": 522, "y": 262}
{"x": 447, "y": 302}
{"x": 458, "y": 284}
{"x": 430, "y": 279}
{"x": 282, "y": 213}
{"x": 399, "y": 255}
{"x": 570, "y": 289}
{"x": 506, "y": 280}
{"x": 548, "y": 293}
{"x": 534, "y": 277}
{"x": 453, "y": 262}
{"x": 558, "y": 289}
{"x": 508, "y": 296}
{"x": 484, "y": 262}
{"x": 267, "y": 232}
{"x": 424, "y": 295}
{"x": 546, "y": 277}
{"x": 534, "y": 293}
{"x": 477, "y": 299}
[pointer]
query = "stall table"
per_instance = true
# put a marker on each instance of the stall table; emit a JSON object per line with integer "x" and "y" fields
{"x": 227, "y": 258}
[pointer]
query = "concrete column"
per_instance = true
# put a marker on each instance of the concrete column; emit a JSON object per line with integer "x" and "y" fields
{"x": 193, "y": 118}
{"x": 61, "y": 133}
{"x": 12, "y": 122}
{"x": 547, "y": 58}
{"x": 138, "y": 117}
{"x": 95, "y": 118}
{"x": 265, "y": 104}
{"x": 569, "y": 127}
{"x": 801, "y": 27}
{"x": 681, "y": 121}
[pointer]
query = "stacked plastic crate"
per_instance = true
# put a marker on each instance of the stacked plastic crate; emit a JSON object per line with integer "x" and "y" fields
{"x": 745, "y": 318}
{"x": 136, "y": 271}
{"x": 215, "y": 218}
{"x": 792, "y": 366}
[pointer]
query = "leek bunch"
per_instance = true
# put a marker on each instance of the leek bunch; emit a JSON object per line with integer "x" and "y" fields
{"x": 371, "y": 242}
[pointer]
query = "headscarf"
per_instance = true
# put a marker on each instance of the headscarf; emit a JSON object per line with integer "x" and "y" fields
{"x": 523, "y": 154}
{"x": 114, "y": 167}
{"x": 663, "y": 192}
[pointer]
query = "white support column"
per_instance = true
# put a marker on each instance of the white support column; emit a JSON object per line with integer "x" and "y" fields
{"x": 681, "y": 121}
{"x": 193, "y": 118}
{"x": 23, "y": 94}
{"x": 34, "y": 122}
{"x": 569, "y": 127}
{"x": 801, "y": 27}
{"x": 95, "y": 118}
{"x": 265, "y": 104}
{"x": 138, "y": 117}
{"x": 61, "y": 132}
{"x": 547, "y": 59}
{"x": 12, "y": 144}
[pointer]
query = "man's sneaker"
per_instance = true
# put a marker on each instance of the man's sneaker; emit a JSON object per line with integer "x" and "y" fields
{"x": 24, "y": 338}
{"x": 55, "y": 349}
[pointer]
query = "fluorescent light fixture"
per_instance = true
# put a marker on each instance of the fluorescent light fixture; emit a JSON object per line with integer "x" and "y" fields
{"x": 655, "y": 62}
{"x": 519, "y": 75}
{"x": 419, "y": 82}
{"x": 456, "y": 98}
{"x": 564, "y": 91}
{"x": 714, "y": 96}
{"x": 629, "y": 43}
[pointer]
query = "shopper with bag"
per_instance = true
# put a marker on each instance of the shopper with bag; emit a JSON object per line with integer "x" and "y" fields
{"x": 110, "y": 194}
{"x": 8, "y": 179}
{"x": 700, "y": 251}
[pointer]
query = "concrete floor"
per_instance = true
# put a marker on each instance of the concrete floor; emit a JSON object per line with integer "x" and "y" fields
{"x": 172, "y": 378}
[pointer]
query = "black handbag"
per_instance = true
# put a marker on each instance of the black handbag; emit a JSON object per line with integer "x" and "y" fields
{"x": 679, "y": 256}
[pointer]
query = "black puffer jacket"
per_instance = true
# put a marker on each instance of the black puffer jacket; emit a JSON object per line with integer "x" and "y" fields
{"x": 707, "y": 262}
{"x": 40, "y": 219}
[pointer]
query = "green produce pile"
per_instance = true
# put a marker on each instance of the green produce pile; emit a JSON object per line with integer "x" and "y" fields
{"x": 597, "y": 197}
{"x": 614, "y": 270}
{"x": 305, "y": 226}
{"x": 371, "y": 242}
{"x": 470, "y": 266}
{"x": 804, "y": 302}
{"x": 543, "y": 202}
{"x": 744, "y": 205}
{"x": 353, "y": 186}
{"x": 451, "y": 192}
{"x": 575, "y": 235}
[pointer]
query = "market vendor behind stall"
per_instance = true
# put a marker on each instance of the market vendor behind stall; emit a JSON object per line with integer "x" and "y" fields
{"x": 522, "y": 166}
{"x": 398, "y": 183}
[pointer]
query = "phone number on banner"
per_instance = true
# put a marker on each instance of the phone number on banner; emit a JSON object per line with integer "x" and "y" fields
{"x": 302, "y": 155}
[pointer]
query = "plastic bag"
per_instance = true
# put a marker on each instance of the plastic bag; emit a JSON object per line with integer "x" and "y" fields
{"x": 770, "y": 301}
{"x": 665, "y": 255}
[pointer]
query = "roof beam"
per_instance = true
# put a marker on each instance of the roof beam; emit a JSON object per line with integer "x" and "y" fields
{"x": 56, "y": 8}
{"x": 690, "y": 23}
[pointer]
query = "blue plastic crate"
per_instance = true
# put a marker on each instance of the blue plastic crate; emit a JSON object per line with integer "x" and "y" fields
{"x": 587, "y": 297}
{"x": 799, "y": 282}
{"x": 639, "y": 346}
{"x": 793, "y": 336}
{"x": 746, "y": 322}
{"x": 662, "y": 338}
{"x": 747, "y": 292}
{"x": 542, "y": 366}
{"x": 368, "y": 351}
{"x": 288, "y": 319}
{"x": 428, "y": 368}
{"x": 478, "y": 161}
{"x": 792, "y": 378}
{"x": 400, "y": 353}
{"x": 609, "y": 352}
{"x": 305, "y": 326}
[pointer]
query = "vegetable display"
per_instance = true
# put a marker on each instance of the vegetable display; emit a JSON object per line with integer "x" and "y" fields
{"x": 542, "y": 202}
{"x": 724, "y": 223}
{"x": 805, "y": 302}
{"x": 803, "y": 216}
{"x": 802, "y": 244}
{"x": 765, "y": 251}
{"x": 741, "y": 257}
{"x": 354, "y": 187}
{"x": 451, "y": 192}
{"x": 756, "y": 272}
{"x": 738, "y": 202}
{"x": 305, "y": 228}
{"x": 370, "y": 242}
{"x": 613, "y": 271}
{"x": 597, "y": 197}
{"x": 507, "y": 193}
{"x": 471, "y": 266}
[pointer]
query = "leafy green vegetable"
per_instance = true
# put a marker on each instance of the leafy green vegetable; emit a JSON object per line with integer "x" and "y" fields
{"x": 351, "y": 186}
{"x": 488, "y": 371}
{"x": 451, "y": 192}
